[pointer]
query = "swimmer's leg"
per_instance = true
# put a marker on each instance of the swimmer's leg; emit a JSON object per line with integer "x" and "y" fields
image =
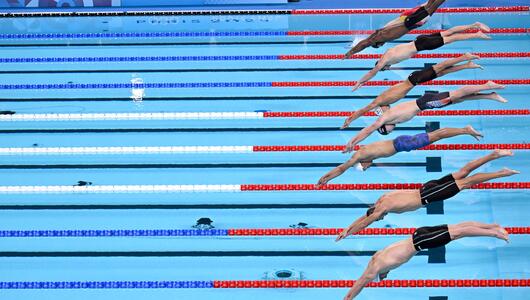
{"x": 444, "y": 133}
{"x": 461, "y": 28}
{"x": 474, "y": 164}
{"x": 470, "y": 181}
{"x": 452, "y": 61}
{"x": 479, "y": 96}
{"x": 470, "y": 92}
{"x": 465, "y": 36}
{"x": 468, "y": 65}
{"x": 475, "y": 229}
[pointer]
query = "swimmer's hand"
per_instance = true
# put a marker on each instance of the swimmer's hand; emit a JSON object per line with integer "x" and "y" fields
{"x": 350, "y": 146}
{"x": 348, "y": 54}
{"x": 349, "y": 296}
{"x": 356, "y": 86}
{"x": 322, "y": 181}
{"x": 343, "y": 234}
{"x": 347, "y": 122}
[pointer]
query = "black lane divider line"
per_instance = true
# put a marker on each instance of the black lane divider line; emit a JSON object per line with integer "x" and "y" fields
{"x": 180, "y": 206}
{"x": 202, "y": 70}
{"x": 438, "y": 298}
{"x": 187, "y": 253}
{"x": 229, "y": 98}
{"x": 265, "y": 129}
{"x": 301, "y": 42}
{"x": 200, "y": 166}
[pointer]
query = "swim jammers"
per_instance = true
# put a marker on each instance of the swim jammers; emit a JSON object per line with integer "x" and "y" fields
{"x": 431, "y": 237}
{"x": 429, "y": 42}
{"x": 439, "y": 190}
{"x": 406, "y": 143}
{"x": 432, "y": 100}
{"x": 412, "y": 20}
{"x": 422, "y": 76}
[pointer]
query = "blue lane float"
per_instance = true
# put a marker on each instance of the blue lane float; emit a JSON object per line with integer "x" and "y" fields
{"x": 113, "y": 233}
{"x": 19, "y": 36}
{"x": 165, "y": 85}
{"x": 137, "y": 58}
{"x": 205, "y": 284}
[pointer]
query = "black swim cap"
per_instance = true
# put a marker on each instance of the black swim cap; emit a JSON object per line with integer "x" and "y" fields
{"x": 382, "y": 130}
{"x": 370, "y": 211}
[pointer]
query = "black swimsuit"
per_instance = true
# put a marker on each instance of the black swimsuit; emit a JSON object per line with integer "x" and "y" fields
{"x": 432, "y": 100}
{"x": 429, "y": 42}
{"x": 422, "y": 76}
{"x": 439, "y": 190}
{"x": 411, "y": 21}
{"x": 431, "y": 237}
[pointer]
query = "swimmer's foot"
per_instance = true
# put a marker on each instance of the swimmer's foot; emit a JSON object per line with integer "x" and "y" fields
{"x": 482, "y": 35}
{"x": 498, "y": 153}
{"x": 482, "y": 26}
{"x": 509, "y": 172}
{"x": 472, "y": 65}
{"x": 502, "y": 234}
{"x": 470, "y": 56}
{"x": 473, "y": 132}
{"x": 494, "y": 86}
{"x": 497, "y": 97}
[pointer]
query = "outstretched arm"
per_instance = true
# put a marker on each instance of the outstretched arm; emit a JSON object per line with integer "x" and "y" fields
{"x": 359, "y": 47}
{"x": 361, "y": 224}
{"x": 380, "y": 65}
{"x": 369, "y": 274}
{"x": 363, "y": 134}
{"x": 337, "y": 171}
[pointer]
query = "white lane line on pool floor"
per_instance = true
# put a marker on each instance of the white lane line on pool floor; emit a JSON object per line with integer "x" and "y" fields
{"x": 132, "y": 116}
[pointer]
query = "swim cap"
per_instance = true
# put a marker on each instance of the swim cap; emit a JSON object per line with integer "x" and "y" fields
{"x": 382, "y": 130}
{"x": 358, "y": 167}
{"x": 370, "y": 211}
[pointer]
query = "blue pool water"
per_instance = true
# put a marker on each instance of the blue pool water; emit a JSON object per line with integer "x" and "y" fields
{"x": 37, "y": 77}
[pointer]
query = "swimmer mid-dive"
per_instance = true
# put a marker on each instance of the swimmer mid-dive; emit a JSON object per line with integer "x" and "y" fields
{"x": 397, "y": 28}
{"x": 423, "y": 238}
{"x": 433, "y": 41}
{"x": 364, "y": 157}
{"x": 405, "y": 111}
{"x": 401, "y": 89}
{"x": 401, "y": 201}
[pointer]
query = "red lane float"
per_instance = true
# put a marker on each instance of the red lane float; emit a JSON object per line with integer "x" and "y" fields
{"x": 371, "y": 186}
{"x": 404, "y": 283}
{"x": 418, "y": 31}
{"x": 335, "y": 231}
{"x": 400, "y": 10}
{"x": 469, "y": 112}
{"x": 437, "y": 147}
{"x": 393, "y": 82}
{"x": 421, "y": 55}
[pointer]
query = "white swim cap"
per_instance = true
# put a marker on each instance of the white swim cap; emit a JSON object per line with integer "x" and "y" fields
{"x": 358, "y": 167}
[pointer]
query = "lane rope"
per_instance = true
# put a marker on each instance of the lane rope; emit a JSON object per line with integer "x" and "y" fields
{"x": 396, "y": 283}
{"x": 262, "y": 84}
{"x": 232, "y": 188}
{"x": 203, "y": 34}
{"x": 236, "y": 115}
{"x": 228, "y": 149}
{"x": 187, "y": 58}
{"x": 215, "y": 232}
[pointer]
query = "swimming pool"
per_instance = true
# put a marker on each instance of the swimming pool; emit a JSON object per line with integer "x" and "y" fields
{"x": 236, "y": 116}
